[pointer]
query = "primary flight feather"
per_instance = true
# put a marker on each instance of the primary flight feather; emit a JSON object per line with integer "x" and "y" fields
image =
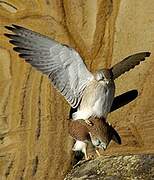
{"x": 61, "y": 64}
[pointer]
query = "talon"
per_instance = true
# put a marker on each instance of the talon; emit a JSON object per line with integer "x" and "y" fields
{"x": 89, "y": 122}
{"x": 87, "y": 158}
{"x": 109, "y": 123}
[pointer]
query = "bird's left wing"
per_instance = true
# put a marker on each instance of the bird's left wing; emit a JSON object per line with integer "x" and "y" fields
{"x": 128, "y": 63}
{"x": 63, "y": 65}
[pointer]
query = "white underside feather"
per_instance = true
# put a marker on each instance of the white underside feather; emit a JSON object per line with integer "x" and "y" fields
{"x": 97, "y": 101}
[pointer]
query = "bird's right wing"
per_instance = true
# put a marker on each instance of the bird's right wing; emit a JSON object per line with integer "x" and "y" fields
{"x": 128, "y": 63}
{"x": 63, "y": 65}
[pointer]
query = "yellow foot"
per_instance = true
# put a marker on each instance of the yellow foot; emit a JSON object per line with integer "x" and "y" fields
{"x": 97, "y": 152}
{"x": 89, "y": 122}
{"x": 109, "y": 123}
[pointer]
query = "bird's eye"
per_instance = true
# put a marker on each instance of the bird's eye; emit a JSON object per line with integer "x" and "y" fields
{"x": 98, "y": 142}
{"x": 101, "y": 78}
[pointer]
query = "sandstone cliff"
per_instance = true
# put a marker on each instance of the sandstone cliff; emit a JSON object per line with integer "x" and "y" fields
{"x": 34, "y": 142}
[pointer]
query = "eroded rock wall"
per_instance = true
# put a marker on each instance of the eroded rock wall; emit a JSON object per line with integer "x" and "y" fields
{"x": 34, "y": 143}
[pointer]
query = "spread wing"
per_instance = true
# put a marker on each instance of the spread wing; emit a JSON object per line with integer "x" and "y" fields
{"x": 128, "y": 63}
{"x": 63, "y": 65}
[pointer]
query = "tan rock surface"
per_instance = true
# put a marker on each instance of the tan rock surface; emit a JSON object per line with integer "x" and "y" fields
{"x": 129, "y": 167}
{"x": 34, "y": 143}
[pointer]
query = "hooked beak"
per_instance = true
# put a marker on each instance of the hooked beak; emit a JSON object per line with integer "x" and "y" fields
{"x": 107, "y": 81}
{"x": 103, "y": 146}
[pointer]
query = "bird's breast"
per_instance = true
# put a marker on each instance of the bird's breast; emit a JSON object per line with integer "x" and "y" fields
{"x": 103, "y": 100}
{"x": 97, "y": 100}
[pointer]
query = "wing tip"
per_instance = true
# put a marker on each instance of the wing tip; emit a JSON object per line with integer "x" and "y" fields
{"x": 13, "y": 26}
{"x": 17, "y": 26}
{"x": 22, "y": 55}
{"x": 115, "y": 136}
{"x": 11, "y": 36}
{"x": 17, "y": 49}
{"x": 8, "y": 35}
{"x": 9, "y": 28}
{"x": 148, "y": 54}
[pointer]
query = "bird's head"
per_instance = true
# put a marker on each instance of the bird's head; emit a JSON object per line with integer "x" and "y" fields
{"x": 103, "y": 75}
{"x": 101, "y": 133}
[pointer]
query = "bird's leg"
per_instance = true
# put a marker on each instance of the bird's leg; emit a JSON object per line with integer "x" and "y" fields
{"x": 84, "y": 150}
{"x": 97, "y": 152}
{"x": 81, "y": 146}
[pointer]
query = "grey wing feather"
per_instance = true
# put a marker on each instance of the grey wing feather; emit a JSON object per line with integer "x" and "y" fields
{"x": 128, "y": 63}
{"x": 62, "y": 64}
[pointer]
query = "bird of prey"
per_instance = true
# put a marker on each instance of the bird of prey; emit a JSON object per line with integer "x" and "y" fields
{"x": 92, "y": 94}
{"x": 99, "y": 134}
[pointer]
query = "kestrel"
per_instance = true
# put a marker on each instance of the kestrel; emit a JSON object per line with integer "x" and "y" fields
{"x": 92, "y": 94}
{"x": 99, "y": 134}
